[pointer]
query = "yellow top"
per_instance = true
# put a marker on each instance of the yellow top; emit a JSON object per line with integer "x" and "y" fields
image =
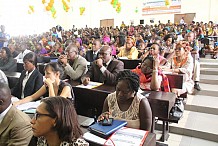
{"x": 132, "y": 54}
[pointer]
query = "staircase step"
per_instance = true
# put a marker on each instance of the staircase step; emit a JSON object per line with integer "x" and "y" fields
{"x": 208, "y": 60}
{"x": 209, "y": 71}
{"x": 209, "y": 64}
{"x": 195, "y": 124}
{"x": 209, "y": 79}
{"x": 208, "y": 87}
{"x": 202, "y": 103}
{"x": 207, "y": 90}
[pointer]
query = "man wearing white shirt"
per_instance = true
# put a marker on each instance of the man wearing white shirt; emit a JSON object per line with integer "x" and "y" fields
{"x": 15, "y": 127}
{"x": 24, "y": 51}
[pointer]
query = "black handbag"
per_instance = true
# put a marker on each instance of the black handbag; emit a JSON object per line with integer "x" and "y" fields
{"x": 178, "y": 109}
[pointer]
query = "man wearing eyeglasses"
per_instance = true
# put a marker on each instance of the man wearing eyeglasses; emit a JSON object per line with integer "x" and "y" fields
{"x": 15, "y": 128}
{"x": 104, "y": 69}
{"x": 74, "y": 65}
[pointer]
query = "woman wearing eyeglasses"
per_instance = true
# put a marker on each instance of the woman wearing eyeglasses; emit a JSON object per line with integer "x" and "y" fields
{"x": 53, "y": 85}
{"x": 151, "y": 76}
{"x": 127, "y": 104}
{"x": 55, "y": 123}
{"x": 182, "y": 63}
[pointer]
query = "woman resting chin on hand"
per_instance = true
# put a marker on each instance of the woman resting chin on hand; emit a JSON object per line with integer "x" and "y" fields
{"x": 53, "y": 85}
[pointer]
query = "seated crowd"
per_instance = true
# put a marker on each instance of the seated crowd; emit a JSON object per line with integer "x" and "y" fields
{"x": 94, "y": 55}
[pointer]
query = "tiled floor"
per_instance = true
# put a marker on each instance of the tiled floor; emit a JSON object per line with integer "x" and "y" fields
{"x": 181, "y": 140}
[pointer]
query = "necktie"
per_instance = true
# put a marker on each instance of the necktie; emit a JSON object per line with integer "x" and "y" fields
{"x": 94, "y": 56}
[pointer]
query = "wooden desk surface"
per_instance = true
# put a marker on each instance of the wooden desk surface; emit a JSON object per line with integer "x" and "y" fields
{"x": 149, "y": 141}
{"x": 89, "y": 99}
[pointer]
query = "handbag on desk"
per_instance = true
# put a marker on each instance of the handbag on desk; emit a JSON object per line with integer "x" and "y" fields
{"x": 178, "y": 109}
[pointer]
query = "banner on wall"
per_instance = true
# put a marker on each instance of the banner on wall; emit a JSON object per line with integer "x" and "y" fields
{"x": 155, "y": 7}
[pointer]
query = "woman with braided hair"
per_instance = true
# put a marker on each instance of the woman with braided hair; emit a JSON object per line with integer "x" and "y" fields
{"x": 127, "y": 104}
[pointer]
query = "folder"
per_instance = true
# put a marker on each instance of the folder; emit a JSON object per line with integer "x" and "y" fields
{"x": 106, "y": 131}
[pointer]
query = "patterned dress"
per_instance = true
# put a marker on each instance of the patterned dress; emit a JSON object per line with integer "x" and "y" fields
{"x": 78, "y": 142}
{"x": 131, "y": 115}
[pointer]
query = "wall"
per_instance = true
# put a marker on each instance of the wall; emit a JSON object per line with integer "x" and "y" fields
{"x": 13, "y": 14}
{"x": 95, "y": 11}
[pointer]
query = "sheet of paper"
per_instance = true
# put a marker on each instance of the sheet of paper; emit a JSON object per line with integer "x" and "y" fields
{"x": 28, "y": 105}
{"x": 128, "y": 137}
{"x": 90, "y": 85}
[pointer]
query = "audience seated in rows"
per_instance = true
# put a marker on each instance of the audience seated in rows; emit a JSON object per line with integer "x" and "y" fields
{"x": 53, "y": 85}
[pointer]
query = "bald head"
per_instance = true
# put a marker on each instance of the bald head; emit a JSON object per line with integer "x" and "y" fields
{"x": 72, "y": 47}
{"x": 106, "y": 48}
{"x": 5, "y": 97}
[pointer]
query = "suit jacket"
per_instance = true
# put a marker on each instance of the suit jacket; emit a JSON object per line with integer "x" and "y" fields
{"x": 110, "y": 75}
{"x": 15, "y": 128}
{"x": 77, "y": 69}
{"x": 89, "y": 56}
{"x": 33, "y": 84}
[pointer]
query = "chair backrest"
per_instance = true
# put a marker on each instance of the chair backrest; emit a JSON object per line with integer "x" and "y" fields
{"x": 20, "y": 67}
{"x": 175, "y": 80}
{"x": 130, "y": 64}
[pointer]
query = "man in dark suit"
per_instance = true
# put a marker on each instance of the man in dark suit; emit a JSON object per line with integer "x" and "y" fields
{"x": 104, "y": 69}
{"x": 31, "y": 80}
{"x": 92, "y": 55}
{"x": 15, "y": 128}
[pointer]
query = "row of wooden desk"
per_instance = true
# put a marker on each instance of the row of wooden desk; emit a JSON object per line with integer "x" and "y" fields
{"x": 89, "y": 102}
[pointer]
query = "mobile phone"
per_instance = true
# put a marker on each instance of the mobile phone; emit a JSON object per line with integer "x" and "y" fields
{"x": 107, "y": 122}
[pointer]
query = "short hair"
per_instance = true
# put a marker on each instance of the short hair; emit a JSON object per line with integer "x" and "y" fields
{"x": 159, "y": 47}
{"x": 131, "y": 77}
{"x": 63, "y": 110}
{"x": 31, "y": 57}
{"x": 169, "y": 36}
{"x": 55, "y": 67}
{"x": 8, "y": 52}
{"x": 151, "y": 58}
{"x": 73, "y": 46}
